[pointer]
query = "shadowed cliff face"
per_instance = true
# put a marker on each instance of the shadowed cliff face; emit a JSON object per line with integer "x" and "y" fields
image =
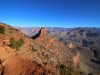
{"x": 40, "y": 33}
{"x": 92, "y": 34}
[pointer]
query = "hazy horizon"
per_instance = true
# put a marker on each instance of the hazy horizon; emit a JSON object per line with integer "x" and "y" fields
{"x": 51, "y": 13}
{"x": 52, "y": 27}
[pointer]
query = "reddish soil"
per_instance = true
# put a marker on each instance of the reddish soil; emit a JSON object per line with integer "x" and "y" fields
{"x": 18, "y": 65}
{"x": 15, "y": 64}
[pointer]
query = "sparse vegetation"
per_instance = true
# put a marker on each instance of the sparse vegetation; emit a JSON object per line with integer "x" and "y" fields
{"x": 20, "y": 42}
{"x": 16, "y": 29}
{"x": 67, "y": 70}
{"x": 90, "y": 74}
{"x": 33, "y": 49}
{"x": 12, "y": 43}
{"x": 2, "y": 29}
{"x": 3, "y": 23}
{"x": 42, "y": 53}
{"x": 10, "y": 32}
{"x": 16, "y": 44}
{"x": 47, "y": 55}
{"x": 13, "y": 29}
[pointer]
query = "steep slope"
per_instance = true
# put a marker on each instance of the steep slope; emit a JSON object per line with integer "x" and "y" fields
{"x": 12, "y": 61}
{"x": 15, "y": 64}
{"x": 51, "y": 51}
{"x": 85, "y": 40}
{"x": 19, "y": 65}
{"x": 40, "y": 55}
{"x": 52, "y": 45}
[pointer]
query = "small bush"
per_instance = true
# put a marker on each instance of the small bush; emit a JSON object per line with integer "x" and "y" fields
{"x": 16, "y": 44}
{"x": 33, "y": 49}
{"x": 42, "y": 53}
{"x": 4, "y": 23}
{"x": 12, "y": 43}
{"x": 2, "y": 29}
{"x": 20, "y": 42}
{"x": 16, "y": 29}
{"x": 12, "y": 29}
{"x": 67, "y": 70}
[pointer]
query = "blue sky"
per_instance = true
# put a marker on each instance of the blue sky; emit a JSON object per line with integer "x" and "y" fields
{"x": 50, "y": 13}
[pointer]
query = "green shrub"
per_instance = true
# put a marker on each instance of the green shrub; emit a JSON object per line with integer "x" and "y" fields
{"x": 33, "y": 49}
{"x": 67, "y": 70}
{"x": 4, "y": 23}
{"x": 16, "y": 29}
{"x": 16, "y": 44}
{"x": 10, "y": 32}
{"x": 2, "y": 29}
{"x": 12, "y": 43}
{"x": 20, "y": 42}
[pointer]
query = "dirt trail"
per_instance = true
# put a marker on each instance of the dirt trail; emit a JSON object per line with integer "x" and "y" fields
{"x": 6, "y": 52}
{"x": 17, "y": 64}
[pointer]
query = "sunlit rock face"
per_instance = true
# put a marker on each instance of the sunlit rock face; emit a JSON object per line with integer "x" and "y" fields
{"x": 76, "y": 61}
{"x": 70, "y": 45}
{"x": 43, "y": 31}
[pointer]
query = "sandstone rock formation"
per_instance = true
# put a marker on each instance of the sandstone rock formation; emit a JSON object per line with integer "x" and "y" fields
{"x": 43, "y": 31}
{"x": 52, "y": 45}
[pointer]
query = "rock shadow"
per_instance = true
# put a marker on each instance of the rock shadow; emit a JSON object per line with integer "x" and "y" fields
{"x": 95, "y": 61}
{"x": 37, "y": 35}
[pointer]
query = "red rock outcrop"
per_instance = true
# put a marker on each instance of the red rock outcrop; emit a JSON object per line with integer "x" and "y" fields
{"x": 53, "y": 45}
{"x": 43, "y": 31}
